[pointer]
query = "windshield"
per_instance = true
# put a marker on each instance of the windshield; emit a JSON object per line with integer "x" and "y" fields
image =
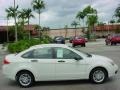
{"x": 85, "y": 53}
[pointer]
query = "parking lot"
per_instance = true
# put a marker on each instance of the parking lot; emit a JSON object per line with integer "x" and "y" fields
{"x": 97, "y": 47}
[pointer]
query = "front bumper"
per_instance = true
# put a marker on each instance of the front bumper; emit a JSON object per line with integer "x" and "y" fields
{"x": 113, "y": 71}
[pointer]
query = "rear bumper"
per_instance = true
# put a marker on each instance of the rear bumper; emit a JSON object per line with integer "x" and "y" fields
{"x": 78, "y": 43}
{"x": 7, "y": 72}
{"x": 115, "y": 41}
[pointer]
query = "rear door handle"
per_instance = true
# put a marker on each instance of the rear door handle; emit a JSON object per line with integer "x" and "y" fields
{"x": 61, "y": 61}
{"x": 34, "y": 60}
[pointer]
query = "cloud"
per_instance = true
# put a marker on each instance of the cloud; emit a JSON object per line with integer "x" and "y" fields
{"x": 105, "y": 9}
{"x": 58, "y": 13}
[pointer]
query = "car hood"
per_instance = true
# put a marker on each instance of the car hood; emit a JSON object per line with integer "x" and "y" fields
{"x": 101, "y": 58}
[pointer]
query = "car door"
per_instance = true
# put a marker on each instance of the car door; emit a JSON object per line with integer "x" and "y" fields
{"x": 66, "y": 67}
{"x": 42, "y": 62}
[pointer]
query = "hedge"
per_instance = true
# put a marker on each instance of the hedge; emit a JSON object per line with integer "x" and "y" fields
{"x": 25, "y": 44}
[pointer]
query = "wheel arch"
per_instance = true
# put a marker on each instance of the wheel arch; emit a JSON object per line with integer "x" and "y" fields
{"x": 96, "y": 68}
{"x": 24, "y": 70}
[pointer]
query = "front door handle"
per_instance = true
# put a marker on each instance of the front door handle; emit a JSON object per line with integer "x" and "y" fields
{"x": 34, "y": 60}
{"x": 61, "y": 61}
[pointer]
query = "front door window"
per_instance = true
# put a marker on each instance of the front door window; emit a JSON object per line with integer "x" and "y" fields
{"x": 63, "y": 53}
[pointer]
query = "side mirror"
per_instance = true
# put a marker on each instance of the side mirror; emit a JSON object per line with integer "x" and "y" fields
{"x": 77, "y": 59}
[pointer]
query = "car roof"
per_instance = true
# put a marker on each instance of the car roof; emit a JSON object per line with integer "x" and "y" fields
{"x": 48, "y": 45}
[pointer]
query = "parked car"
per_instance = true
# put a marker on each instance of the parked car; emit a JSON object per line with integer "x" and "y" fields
{"x": 71, "y": 39}
{"x": 78, "y": 41}
{"x": 56, "y": 62}
{"x": 112, "y": 39}
{"x": 59, "y": 39}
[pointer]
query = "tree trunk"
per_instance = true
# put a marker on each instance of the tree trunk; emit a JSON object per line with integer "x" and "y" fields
{"x": 16, "y": 37}
{"x": 7, "y": 31}
{"x": 29, "y": 29}
{"x": 66, "y": 31}
{"x": 39, "y": 26}
{"x": 75, "y": 30}
{"x": 83, "y": 23}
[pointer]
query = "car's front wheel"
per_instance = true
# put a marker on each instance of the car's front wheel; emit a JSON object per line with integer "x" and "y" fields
{"x": 25, "y": 79}
{"x": 83, "y": 45}
{"x": 98, "y": 75}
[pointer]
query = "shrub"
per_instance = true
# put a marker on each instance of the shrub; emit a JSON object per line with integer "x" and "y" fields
{"x": 25, "y": 44}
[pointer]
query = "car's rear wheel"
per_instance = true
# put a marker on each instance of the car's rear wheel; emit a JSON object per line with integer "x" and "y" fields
{"x": 98, "y": 75}
{"x": 73, "y": 45}
{"x": 113, "y": 43}
{"x": 106, "y": 43}
{"x": 25, "y": 79}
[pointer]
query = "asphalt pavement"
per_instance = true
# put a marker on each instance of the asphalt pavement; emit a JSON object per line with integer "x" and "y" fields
{"x": 97, "y": 47}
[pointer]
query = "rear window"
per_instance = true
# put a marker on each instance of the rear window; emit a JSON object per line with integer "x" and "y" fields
{"x": 59, "y": 37}
{"x": 116, "y": 35}
{"x": 78, "y": 37}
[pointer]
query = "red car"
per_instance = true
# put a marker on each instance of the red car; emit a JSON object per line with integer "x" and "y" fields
{"x": 113, "y": 39}
{"x": 78, "y": 41}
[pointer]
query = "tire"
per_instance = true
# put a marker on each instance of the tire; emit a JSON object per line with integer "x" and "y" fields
{"x": 115, "y": 44}
{"x": 112, "y": 43}
{"x": 84, "y": 45}
{"x": 95, "y": 75}
{"x": 21, "y": 76}
{"x": 106, "y": 43}
{"x": 73, "y": 45}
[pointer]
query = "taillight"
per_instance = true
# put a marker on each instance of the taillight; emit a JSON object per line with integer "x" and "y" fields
{"x": 5, "y": 61}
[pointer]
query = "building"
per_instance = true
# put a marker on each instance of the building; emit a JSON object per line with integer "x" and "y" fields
{"x": 4, "y": 29}
{"x": 50, "y": 32}
{"x": 65, "y": 32}
{"x": 100, "y": 31}
{"x": 104, "y": 30}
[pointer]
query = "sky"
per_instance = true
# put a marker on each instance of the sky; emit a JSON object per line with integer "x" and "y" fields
{"x": 58, "y": 13}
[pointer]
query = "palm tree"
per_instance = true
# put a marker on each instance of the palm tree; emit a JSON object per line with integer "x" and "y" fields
{"x": 74, "y": 24}
{"x": 66, "y": 30}
{"x": 117, "y": 12}
{"x": 28, "y": 15}
{"x": 7, "y": 16}
{"x": 89, "y": 10}
{"x": 12, "y": 13}
{"x": 92, "y": 18}
{"x": 81, "y": 15}
{"x": 112, "y": 21}
{"x": 100, "y": 23}
{"x": 38, "y": 5}
{"x": 22, "y": 16}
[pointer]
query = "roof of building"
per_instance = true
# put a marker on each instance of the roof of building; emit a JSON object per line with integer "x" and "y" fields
{"x": 111, "y": 27}
{"x": 30, "y": 27}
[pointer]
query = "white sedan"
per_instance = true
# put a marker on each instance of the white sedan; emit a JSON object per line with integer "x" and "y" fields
{"x": 49, "y": 62}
